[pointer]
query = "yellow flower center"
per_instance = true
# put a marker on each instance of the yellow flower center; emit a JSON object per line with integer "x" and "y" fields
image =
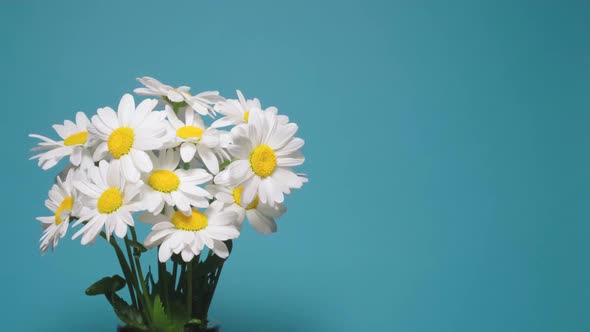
{"x": 65, "y": 205}
{"x": 195, "y": 222}
{"x": 189, "y": 132}
{"x": 110, "y": 201}
{"x": 263, "y": 161}
{"x": 246, "y": 116}
{"x": 120, "y": 141}
{"x": 238, "y": 198}
{"x": 164, "y": 181}
{"x": 76, "y": 139}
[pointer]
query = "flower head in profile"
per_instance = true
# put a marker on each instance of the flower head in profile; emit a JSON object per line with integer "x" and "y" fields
{"x": 194, "y": 138}
{"x": 166, "y": 183}
{"x": 177, "y": 233}
{"x": 264, "y": 151}
{"x": 260, "y": 215}
{"x": 64, "y": 204}
{"x": 125, "y": 135}
{"x": 237, "y": 112}
{"x": 74, "y": 143}
{"x": 200, "y": 103}
{"x": 108, "y": 201}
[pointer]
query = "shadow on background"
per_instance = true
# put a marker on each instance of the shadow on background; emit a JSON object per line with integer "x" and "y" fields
{"x": 283, "y": 323}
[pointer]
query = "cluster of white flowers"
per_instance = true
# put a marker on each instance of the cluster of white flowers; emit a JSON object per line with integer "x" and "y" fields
{"x": 194, "y": 183}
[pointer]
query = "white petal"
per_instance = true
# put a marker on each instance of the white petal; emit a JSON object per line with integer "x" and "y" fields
{"x": 146, "y": 106}
{"x": 282, "y": 135}
{"x": 126, "y": 109}
{"x": 260, "y": 222}
{"x": 208, "y": 158}
{"x": 293, "y": 145}
{"x": 165, "y": 252}
{"x": 125, "y": 217}
{"x": 220, "y": 249}
{"x": 87, "y": 189}
{"x": 187, "y": 151}
{"x": 288, "y": 162}
{"x": 108, "y": 117}
{"x": 194, "y": 190}
{"x": 224, "y": 232}
{"x": 181, "y": 202}
{"x": 101, "y": 152}
{"x": 128, "y": 169}
{"x": 175, "y": 96}
{"x": 173, "y": 118}
{"x": 141, "y": 160}
{"x": 187, "y": 255}
{"x": 121, "y": 229}
{"x": 113, "y": 177}
{"x": 76, "y": 157}
{"x": 194, "y": 176}
{"x": 223, "y": 122}
{"x": 239, "y": 169}
{"x": 250, "y": 190}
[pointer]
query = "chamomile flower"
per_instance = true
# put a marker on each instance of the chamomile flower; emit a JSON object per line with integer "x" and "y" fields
{"x": 108, "y": 200}
{"x": 238, "y": 111}
{"x": 201, "y": 102}
{"x": 126, "y": 135}
{"x": 264, "y": 152}
{"x": 177, "y": 233}
{"x": 176, "y": 187}
{"x": 64, "y": 204}
{"x": 195, "y": 138}
{"x": 261, "y": 216}
{"x": 74, "y": 143}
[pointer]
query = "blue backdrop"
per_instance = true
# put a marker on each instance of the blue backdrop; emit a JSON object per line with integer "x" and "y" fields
{"x": 447, "y": 147}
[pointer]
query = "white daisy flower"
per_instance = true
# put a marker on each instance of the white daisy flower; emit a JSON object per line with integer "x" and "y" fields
{"x": 176, "y": 187}
{"x": 195, "y": 138}
{"x": 74, "y": 144}
{"x": 261, "y": 216}
{"x": 201, "y": 103}
{"x": 238, "y": 111}
{"x": 126, "y": 135}
{"x": 177, "y": 233}
{"x": 264, "y": 152}
{"x": 108, "y": 200}
{"x": 64, "y": 204}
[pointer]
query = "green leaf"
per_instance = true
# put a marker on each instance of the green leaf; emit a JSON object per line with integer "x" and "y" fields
{"x": 149, "y": 278}
{"x": 175, "y": 106}
{"x": 126, "y": 313}
{"x": 177, "y": 259}
{"x": 159, "y": 317}
{"x": 179, "y": 311}
{"x": 213, "y": 262}
{"x": 224, "y": 165}
{"x": 106, "y": 285}
{"x": 163, "y": 322}
{"x": 137, "y": 246}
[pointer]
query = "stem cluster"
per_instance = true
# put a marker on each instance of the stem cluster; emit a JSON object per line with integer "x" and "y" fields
{"x": 178, "y": 300}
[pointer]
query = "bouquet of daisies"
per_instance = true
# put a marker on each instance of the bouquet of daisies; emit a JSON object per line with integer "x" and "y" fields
{"x": 194, "y": 184}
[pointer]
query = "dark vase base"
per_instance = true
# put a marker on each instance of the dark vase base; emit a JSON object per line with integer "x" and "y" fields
{"x": 188, "y": 328}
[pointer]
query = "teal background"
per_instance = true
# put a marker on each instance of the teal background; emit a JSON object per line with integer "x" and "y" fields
{"x": 447, "y": 147}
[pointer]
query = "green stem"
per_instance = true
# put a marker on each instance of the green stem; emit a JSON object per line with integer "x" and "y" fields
{"x": 146, "y": 294}
{"x": 163, "y": 284}
{"x": 130, "y": 255}
{"x": 174, "y": 275}
{"x": 181, "y": 278}
{"x": 189, "y": 285}
{"x": 122, "y": 262}
{"x": 212, "y": 288}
